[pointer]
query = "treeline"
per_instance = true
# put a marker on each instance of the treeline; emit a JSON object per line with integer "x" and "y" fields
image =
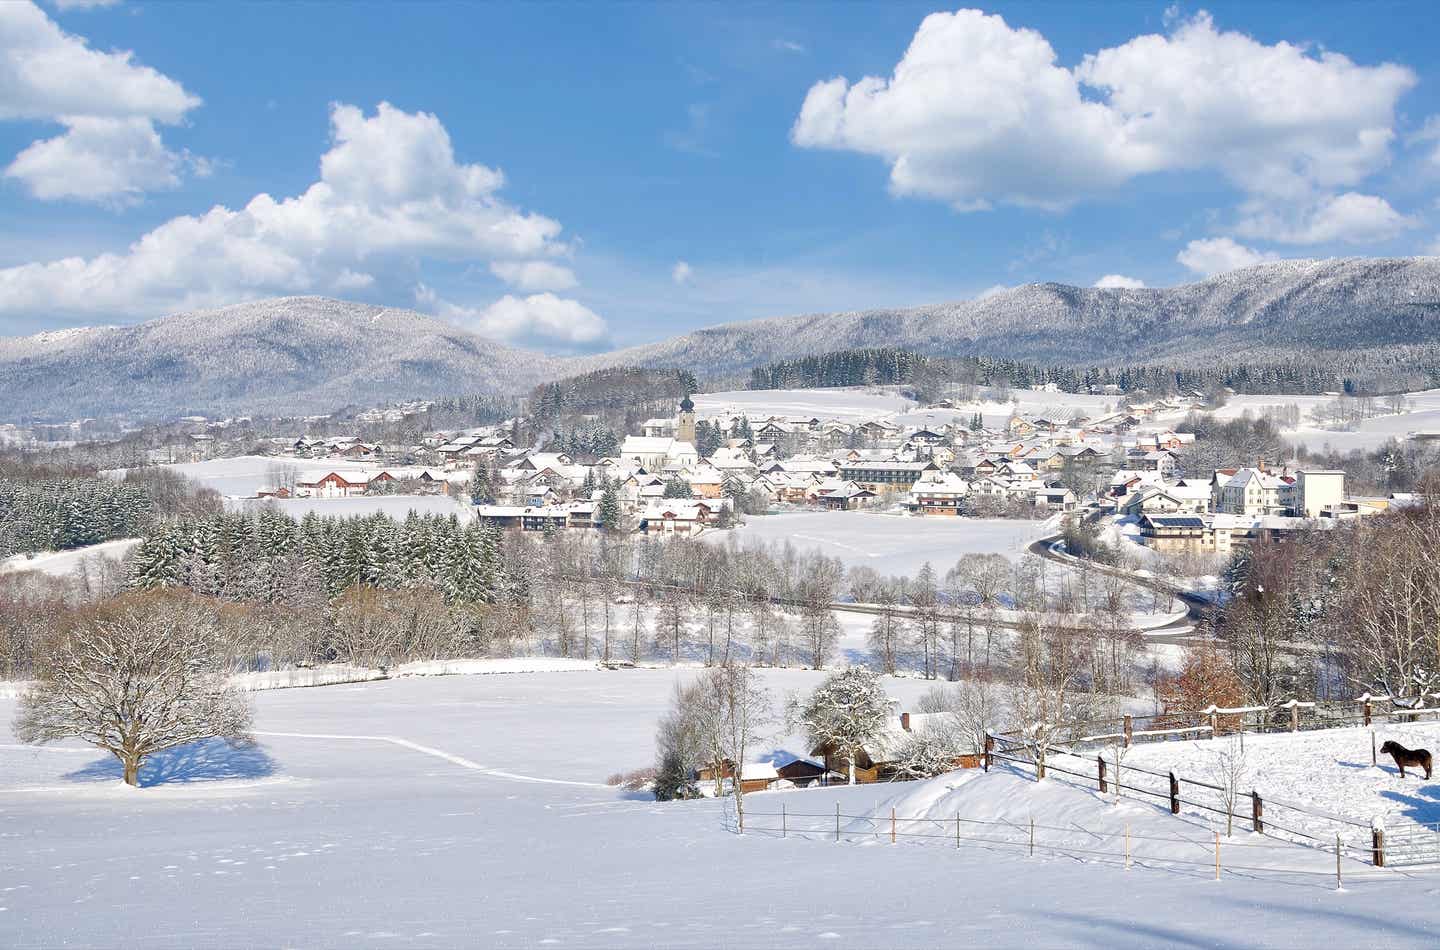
{"x": 377, "y": 591}
{"x": 1364, "y": 598}
{"x": 59, "y": 514}
{"x": 271, "y": 558}
{"x": 41, "y": 510}
{"x": 1364, "y": 372}
{"x": 615, "y": 389}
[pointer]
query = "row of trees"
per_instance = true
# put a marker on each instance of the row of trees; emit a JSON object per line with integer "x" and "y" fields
{"x": 1335, "y": 613}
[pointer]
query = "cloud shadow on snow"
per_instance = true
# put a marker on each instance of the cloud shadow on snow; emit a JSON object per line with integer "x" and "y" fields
{"x": 208, "y": 760}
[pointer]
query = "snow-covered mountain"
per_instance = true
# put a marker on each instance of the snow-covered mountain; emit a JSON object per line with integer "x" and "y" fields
{"x": 313, "y": 354}
{"x": 1270, "y": 310}
{"x": 289, "y": 355}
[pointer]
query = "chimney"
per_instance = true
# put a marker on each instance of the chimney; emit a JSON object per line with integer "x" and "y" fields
{"x": 1260, "y": 464}
{"x": 905, "y": 721}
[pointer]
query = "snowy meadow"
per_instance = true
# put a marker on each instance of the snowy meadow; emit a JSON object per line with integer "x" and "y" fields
{"x": 472, "y": 810}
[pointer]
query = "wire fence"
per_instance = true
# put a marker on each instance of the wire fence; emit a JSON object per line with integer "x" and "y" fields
{"x": 1206, "y": 854}
{"x": 1073, "y": 744}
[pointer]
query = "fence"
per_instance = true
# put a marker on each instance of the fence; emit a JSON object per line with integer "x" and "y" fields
{"x": 1290, "y": 716}
{"x": 1412, "y": 845}
{"x": 1212, "y": 854}
{"x": 1246, "y": 809}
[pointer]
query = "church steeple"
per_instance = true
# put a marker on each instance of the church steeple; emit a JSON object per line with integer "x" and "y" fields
{"x": 685, "y": 421}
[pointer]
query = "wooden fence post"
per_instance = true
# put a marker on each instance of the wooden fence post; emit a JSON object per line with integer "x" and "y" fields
{"x": 1295, "y": 718}
{"x": 1214, "y": 724}
{"x": 1127, "y": 845}
{"x": 837, "y": 821}
{"x": 989, "y": 748}
{"x": 1032, "y": 836}
{"x": 784, "y": 831}
{"x": 1338, "y": 885}
{"x": 1377, "y": 844}
{"x": 1366, "y": 711}
{"x": 1374, "y": 761}
{"x": 1217, "y": 855}
{"x": 1129, "y": 729}
{"x": 1174, "y": 794}
{"x": 957, "y": 830}
{"x": 1257, "y": 812}
{"x": 1100, "y": 764}
{"x": 892, "y": 824}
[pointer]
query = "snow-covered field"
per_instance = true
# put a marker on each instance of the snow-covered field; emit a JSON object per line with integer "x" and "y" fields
{"x": 1422, "y": 416}
{"x": 470, "y": 811}
{"x": 891, "y": 544}
{"x": 854, "y": 404}
{"x": 64, "y": 563}
{"x": 1327, "y": 771}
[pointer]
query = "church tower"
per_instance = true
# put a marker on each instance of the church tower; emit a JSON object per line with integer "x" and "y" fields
{"x": 685, "y": 422}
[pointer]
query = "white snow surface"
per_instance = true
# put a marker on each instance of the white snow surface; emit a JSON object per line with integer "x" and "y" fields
{"x": 889, "y": 543}
{"x": 65, "y": 563}
{"x": 1327, "y": 772}
{"x": 471, "y": 811}
{"x": 851, "y": 404}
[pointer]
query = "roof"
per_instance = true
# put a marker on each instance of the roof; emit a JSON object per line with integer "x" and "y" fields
{"x": 1176, "y": 521}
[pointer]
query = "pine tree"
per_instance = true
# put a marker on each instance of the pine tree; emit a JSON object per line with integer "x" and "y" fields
{"x": 609, "y": 514}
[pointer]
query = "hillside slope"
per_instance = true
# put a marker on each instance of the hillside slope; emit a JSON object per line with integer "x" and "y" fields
{"x": 1268, "y": 311}
{"x": 313, "y": 354}
{"x": 289, "y": 355}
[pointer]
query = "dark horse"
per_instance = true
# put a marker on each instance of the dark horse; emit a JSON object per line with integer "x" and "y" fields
{"x": 1420, "y": 758}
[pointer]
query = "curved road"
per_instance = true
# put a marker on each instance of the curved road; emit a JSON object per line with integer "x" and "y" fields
{"x": 1177, "y": 631}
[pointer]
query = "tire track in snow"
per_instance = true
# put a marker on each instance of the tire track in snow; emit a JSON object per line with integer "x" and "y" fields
{"x": 437, "y": 753}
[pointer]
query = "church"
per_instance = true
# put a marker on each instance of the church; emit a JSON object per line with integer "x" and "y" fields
{"x": 668, "y": 444}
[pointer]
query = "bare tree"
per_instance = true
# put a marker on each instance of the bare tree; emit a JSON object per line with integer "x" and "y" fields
{"x": 1048, "y": 700}
{"x": 138, "y": 678}
{"x": 1229, "y": 773}
{"x": 734, "y": 711}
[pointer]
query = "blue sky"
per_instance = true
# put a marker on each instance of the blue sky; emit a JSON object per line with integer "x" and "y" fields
{"x": 577, "y": 176}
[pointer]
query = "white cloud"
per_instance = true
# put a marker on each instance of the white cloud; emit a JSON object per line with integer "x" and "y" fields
{"x": 98, "y": 159}
{"x": 992, "y": 291}
{"x": 978, "y": 113}
{"x": 1351, "y": 217}
{"x": 1210, "y": 256}
{"x": 348, "y": 279}
{"x": 534, "y": 275}
{"x": 83, "y": 4}
{"x": 1430, "y": 132}
{"x": 389, "y": 188}
{"x": 681, "y": 273}
{"x": 109, "y": 105}
{"x": 539, "y": 318}
{"x": 788, "y": 46}
{"x": 1119, "y": 280}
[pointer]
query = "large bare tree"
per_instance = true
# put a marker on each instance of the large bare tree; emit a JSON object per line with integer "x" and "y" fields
{"x": 144, "y": 675}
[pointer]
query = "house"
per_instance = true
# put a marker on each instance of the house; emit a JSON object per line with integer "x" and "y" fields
{"x": 878, "y": 759}
{"x": 802, "y": 773}
{"x": 341, "y": 483}
{"x": 1195, "y": 534}
{"x": 841, "y": 495}
{"x": 754, "y": 776}
{"x": 939, "y": 493}
{"x": 1313, "y": 492}
{"x": 1055, "y": 499}
{"x": 883, "y": 476}
{"x": 1247, "y": 491}
{"x": 678, "y": 517}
